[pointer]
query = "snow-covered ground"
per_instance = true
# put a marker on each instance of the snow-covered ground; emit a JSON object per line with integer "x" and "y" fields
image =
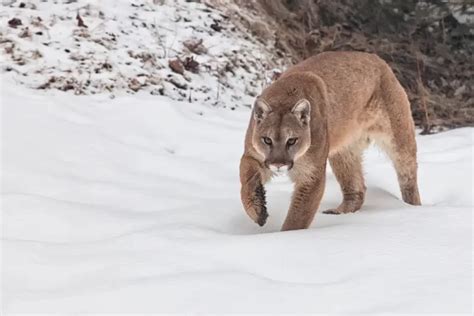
{"x": 110, "y": 46}
{"x": 132, "y": 205}
{"x": 126, "y": 198}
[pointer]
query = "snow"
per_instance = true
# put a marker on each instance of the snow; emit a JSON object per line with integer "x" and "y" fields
{"x": 132, "y": 205}
{"x": 126, "y": 46}
{"x": 121, "y": 194}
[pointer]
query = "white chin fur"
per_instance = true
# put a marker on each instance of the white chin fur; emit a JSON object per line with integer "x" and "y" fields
{"x": 279, "y": 171}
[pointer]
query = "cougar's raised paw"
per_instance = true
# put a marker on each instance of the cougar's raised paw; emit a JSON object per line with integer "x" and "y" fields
{"x": 259, "y": 206}
{"x": 262, "y": 218}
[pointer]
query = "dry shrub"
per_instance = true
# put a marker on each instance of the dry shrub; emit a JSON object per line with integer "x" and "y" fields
{"x": 429, "y": 50}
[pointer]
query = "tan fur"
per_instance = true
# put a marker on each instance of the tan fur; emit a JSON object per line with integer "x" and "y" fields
{"x": 353, "y": 98}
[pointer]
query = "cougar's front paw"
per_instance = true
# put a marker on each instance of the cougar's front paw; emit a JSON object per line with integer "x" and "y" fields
{"x": 258, "y": 216}
{"x": 258, "y": 208}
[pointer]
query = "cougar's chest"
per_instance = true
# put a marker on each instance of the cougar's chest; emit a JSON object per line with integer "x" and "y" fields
{"x": 302, "y": 169}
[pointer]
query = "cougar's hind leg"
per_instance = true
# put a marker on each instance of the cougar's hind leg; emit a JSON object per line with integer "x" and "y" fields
{"x": 401, "y": 148}
{"x": 400, "y": 143}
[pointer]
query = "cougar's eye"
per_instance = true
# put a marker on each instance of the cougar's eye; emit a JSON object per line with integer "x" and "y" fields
{"x": 291, "y": 141}
{"x": 267, "y": 140}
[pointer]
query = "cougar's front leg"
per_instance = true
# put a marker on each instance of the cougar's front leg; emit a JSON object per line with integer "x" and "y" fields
{"x": 306, "y": 199}
{"x": 252, "y": 193}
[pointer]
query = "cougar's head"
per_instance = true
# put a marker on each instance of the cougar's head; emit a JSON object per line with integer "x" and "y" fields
{"x": 283, "y": 136}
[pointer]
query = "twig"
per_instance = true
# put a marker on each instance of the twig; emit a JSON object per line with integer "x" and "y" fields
{"x": 421, "y": 89}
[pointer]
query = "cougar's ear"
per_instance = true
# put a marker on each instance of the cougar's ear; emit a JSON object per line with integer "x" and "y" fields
{"x": 302, "y": 110}
{"x": 261, "y": 110}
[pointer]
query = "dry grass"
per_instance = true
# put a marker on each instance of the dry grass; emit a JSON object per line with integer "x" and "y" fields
{"x": 428, "y": 49}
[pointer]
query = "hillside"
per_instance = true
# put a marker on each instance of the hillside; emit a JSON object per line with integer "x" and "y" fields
{"x": 182, "y": 50}
{"x": 222, "y": 52}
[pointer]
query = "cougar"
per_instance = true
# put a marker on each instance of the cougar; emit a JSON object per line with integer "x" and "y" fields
{"x": 330, "y": 106}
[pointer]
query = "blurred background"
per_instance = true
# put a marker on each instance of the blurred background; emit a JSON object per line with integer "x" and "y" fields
{"x": 223, "y": 53}
{"x": 429, "y": 45}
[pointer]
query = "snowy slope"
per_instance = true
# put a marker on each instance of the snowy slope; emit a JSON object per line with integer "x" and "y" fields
{"x": 132, "y": 205}
{"x": 127, "y": 46}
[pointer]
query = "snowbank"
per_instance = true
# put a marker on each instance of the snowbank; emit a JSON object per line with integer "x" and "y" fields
{"x": 132, "y": 205}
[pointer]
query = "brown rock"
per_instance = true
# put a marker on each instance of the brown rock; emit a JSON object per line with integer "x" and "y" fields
{"x": 14, "y": 23}
{"x": 176, "y": 65}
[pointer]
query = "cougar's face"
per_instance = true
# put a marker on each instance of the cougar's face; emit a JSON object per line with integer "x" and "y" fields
{"x": 281, "y": 138}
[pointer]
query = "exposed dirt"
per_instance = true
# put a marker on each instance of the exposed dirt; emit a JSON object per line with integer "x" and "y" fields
{"x": 429, "y": 45}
